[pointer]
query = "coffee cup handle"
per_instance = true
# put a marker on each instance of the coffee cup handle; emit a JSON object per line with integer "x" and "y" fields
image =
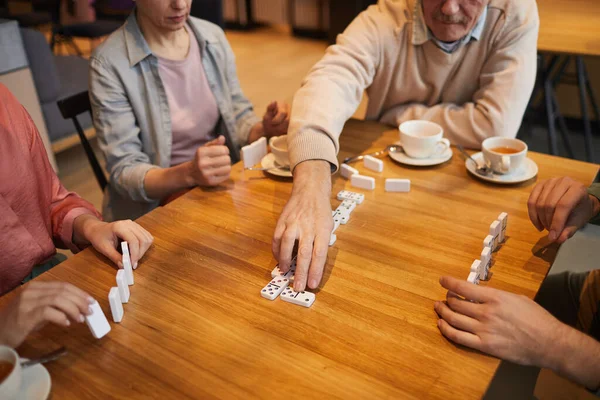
{"x": 446, "y": 145}
{"x": 505, "y": 164}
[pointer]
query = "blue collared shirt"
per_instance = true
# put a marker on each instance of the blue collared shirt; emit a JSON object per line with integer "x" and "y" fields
{"x": 423, "y": 34}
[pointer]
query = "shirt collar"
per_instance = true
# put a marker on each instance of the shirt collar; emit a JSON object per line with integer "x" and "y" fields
{"x": 422, "y": 34}
{"x": 138, "y": 49}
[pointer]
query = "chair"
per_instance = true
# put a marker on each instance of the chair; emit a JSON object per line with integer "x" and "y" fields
{"x": 209, "y": 10}
{"x": 89, "y": 30}
{"x": 70, "y": 108}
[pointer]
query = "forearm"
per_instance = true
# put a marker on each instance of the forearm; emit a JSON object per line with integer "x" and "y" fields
{"x": 162, "y": 182}
{"x": 575, "y": 356}
{"x": 314, "y": 173}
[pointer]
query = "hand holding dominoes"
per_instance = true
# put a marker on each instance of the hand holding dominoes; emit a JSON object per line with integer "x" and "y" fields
{"x": 306, "y": 218}
{"x": 39, "y": 303}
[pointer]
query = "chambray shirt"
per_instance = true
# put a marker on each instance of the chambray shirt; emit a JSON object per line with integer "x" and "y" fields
{"x": 423, "y": 34}
{"x": 131, "y": 111}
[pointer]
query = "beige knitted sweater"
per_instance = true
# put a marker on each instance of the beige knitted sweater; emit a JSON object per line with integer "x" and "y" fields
{"x": 480, "y": 90}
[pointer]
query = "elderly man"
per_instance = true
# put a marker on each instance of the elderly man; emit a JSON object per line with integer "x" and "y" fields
{"x": 468, "y": 65}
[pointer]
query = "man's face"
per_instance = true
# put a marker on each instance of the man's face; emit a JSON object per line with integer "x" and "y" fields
{"x": 451, "y": 20}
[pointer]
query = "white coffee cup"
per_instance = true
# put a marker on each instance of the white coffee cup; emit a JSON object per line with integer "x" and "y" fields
{"x": 501, "y": 162}
{"x": 11, "y": 385}
{"x": 423, "y": 139}
{"x": 279, "y": 148}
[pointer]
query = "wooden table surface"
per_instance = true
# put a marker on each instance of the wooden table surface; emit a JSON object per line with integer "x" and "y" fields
{"x": 569, "y": 26}
{"x": 197, "y": 327}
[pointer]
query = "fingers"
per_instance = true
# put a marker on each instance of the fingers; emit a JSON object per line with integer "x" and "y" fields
{"x": 465, "y": 307}
{"x": 458, "y": 336}
{"x": 215, "y": 150}
{"x": 532, "y": 206}
{"x": 272, "y": 108}
{"x": 280, "y": 117}
{"x": 288, "y": 239}
{"x": 543, "y": 205}
{"x": 303, "y": 260}
{"x": 466, "y": 289}
{"x": 456, "y": 320}
{"x": 277, "y": 237}
{"x": 564, "y": 207}
{"x": 220, "y": 141}
{"x": 319, "y": 256}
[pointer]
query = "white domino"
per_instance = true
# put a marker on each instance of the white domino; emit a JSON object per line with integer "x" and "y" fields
{"x": 127, "y": 267}
{"x": 274, "y": 288}
{"x": 347, "y": 171}
{"x": 337, "y": 220}
{"x": 116, "y": 307}
{"x": 332, "y": 239}
{"x": 123, "y": 287}
{"x": 495, "y": 229}
{"x": 372, "y": 163}
{"x": 290, "y": 274}
{"x": 253, "y": 153}
{"x": 304, "y": 299}
{"x": 97, "y": 322}
{"x": 486, "y": 260}
{"x": 358, "y": 198}
{"x": 363, "y": 182}
{"x": 347, "y": 206}
{"x": 503, "y": 219}
{"x": 473, "y": 278}
{"x": 476, "y": 266}
{"x": 344, "y": 218}
{"x": 488, "y": 241}
{"x": 397, "y": 185}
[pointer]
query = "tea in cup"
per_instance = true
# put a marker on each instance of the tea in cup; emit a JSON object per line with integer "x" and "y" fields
{"x": 504, "y": 155}
{"x": 10, "y": 373}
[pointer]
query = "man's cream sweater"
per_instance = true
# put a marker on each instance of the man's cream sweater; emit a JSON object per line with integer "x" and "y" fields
{"x": 479, "y": 91}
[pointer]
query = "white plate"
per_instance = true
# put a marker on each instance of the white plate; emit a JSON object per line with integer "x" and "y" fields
{"x": 402, "y": 158}
{"x": 36, "y": 383}
{"x": 268, "y": 161}
{"x": 526, "y": 171}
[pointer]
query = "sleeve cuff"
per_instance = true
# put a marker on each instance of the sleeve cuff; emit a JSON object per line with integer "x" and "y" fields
{"x": 132, "y": 183}
{"x": 312, "y": 145}
{"x": 66, "y": 233}
{"x": 245, "y": 126}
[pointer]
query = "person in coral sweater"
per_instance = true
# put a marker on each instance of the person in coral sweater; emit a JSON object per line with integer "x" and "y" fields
{"x": 37, "y": 214}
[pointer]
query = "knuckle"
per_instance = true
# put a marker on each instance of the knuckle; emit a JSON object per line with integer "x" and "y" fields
{"x": 321, "y": 253}
{"x": 305, "y": 251}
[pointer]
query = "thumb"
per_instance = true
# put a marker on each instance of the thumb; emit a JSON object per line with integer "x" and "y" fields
{"x": 272, "y": 108}
{"x": 220, "y": 141}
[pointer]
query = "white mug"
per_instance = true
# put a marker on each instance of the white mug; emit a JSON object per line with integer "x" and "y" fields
{"x": 279, "y": 148}
{"x": 10, "y": 387}
{"x": 500, "y": 161}
{"x": 422, "y": 139}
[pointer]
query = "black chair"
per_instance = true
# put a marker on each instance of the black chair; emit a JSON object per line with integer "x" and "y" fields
{"x": 209, "y": 10}
{"x": 70, "y": 108}
{"x": 88, "y": 30}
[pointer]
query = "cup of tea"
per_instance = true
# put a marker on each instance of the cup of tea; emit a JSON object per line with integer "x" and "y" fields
{"x": 504, "y": 155}
{"x": 279, "y": 148}
{"x": 423, "y": 139}
{"x": 10, "y": 373}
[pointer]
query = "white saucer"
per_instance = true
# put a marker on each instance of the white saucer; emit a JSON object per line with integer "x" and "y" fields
{"x": 36, "y": 383}
{"x": 268, "y": 161}
{"x": 402, "y": 158}
{"x": 527, "y": 171}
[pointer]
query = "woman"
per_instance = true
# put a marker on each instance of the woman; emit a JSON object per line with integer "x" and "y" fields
{"x": 36, "y": 214}
{"x": 168, "y": 107}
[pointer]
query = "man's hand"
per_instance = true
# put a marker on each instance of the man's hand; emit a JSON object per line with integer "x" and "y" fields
{"x": 40, "y": 303}
{"x": 105, "y": 237}
{"x": 502, "y": 324}
{"x": 276, "y": 119}
{"x": 211, "y": 165}
{"x": 307, "y": 218}
{"x": 562, "y": 206}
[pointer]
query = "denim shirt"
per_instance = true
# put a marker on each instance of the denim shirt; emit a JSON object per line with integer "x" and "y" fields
{"x": 131, "y": 111}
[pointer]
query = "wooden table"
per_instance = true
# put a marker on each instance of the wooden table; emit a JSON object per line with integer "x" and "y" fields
{"x": 569, "y": 27}
{"x": 197, "y": 327}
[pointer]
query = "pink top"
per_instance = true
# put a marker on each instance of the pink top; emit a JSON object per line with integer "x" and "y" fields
{"x": 194, "y": 111}
{"x": 36, "y": 211}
